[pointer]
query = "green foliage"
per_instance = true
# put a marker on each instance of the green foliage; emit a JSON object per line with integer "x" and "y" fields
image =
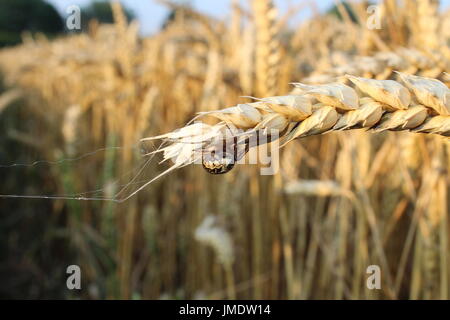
{"x": 33, "y": 240}
{"x": 335, "y": 11}
{"x": 183, "y": 7}
{"x": 17, "y": 16}
{"x": 102, "y": 12}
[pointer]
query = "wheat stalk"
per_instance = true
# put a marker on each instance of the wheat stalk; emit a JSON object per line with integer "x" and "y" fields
{"x": 413, "y": 103}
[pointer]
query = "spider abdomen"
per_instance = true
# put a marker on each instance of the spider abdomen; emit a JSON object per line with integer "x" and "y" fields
{"x": 215, "y": 163}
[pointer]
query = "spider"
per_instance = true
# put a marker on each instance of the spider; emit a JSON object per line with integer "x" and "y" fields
{"x": 222, "y": 162}
{"x": 218, "y": 163}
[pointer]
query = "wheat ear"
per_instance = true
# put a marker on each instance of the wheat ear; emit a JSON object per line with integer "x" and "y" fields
{"x": 427, "y": 22}
{"x": 413, "y": 103}
{"x": 267, "y": 46}
{"x": 381, "y": 65}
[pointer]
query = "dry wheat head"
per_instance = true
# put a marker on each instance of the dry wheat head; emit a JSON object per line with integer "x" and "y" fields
{"x": 412, "y": 103}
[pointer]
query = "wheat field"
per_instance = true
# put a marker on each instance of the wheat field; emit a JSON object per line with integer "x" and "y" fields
{"x": 343, "y": 200}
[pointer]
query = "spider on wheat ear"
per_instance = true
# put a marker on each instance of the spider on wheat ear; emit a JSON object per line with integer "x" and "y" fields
{"x": 410, "y": 103}
{"x": 222, "y": 162}
{"x": 218, "y": 163}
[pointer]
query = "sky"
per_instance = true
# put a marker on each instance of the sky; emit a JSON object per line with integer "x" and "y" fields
{"x": 151, "y": 14}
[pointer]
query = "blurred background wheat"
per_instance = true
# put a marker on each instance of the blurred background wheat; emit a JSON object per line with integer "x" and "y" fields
{"x": 341, "y": 202}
